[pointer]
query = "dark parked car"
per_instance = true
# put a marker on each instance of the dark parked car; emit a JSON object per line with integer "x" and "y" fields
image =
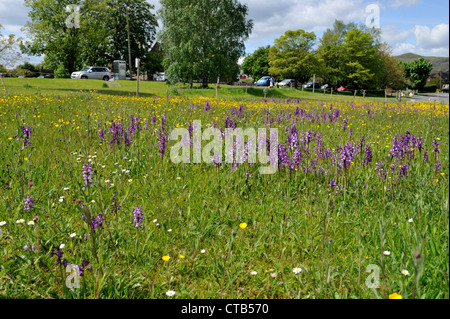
{"x": 264, "y": 81}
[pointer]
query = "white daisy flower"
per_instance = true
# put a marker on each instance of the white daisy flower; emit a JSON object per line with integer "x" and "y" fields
{"x": 297, "y": 270}
{"x": 2, "y": 223}
{"x": 170, "y": 293}
{"x": 66, "y": 188}
{"x": 20, "y": 221}
{"x": 62, "y": 246}
{"x": 73, "y": 235}
{"x": 410, "y": 220}
{"x": 155, "y": 220}
{"x": 130, "y": 180}
{"x": 386, "y": 252}
{"x": 107, "y": 181}
{"x": 405, "y": 272}
{"x": 169, "y": 230}
{"x": 203, "y": 251}
{"x": 253, "y": 273}
{"x": 30, "y": 222}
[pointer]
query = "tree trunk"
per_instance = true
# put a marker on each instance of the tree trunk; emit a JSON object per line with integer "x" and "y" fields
{"x": 205, "y": 83}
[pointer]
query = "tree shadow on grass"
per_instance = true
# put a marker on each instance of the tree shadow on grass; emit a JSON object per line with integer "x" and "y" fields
{"x": 103, "y": 91}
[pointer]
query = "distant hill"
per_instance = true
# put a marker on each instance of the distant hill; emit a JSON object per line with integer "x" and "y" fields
{"x": 439, "y": 63}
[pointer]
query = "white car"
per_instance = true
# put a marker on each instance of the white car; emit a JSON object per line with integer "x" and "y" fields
{"x": 93, "y": 72}
{"x": 161, "y": 77}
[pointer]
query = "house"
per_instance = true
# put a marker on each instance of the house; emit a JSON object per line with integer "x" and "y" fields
{"x": 444, "y": 76}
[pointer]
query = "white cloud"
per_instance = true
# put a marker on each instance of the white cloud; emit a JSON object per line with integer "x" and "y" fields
{"x": 434, "y": 38}
{"x": 393, "y": 34}
{"x": 272, "y": 18}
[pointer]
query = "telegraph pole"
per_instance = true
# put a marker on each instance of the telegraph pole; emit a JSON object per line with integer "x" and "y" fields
{"x": 129, "y": 45}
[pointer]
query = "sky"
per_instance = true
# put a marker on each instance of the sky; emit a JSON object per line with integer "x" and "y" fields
{"x": 416, "y": 26}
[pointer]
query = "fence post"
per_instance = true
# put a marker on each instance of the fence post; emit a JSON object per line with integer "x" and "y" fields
{"x": 4, "y": 86}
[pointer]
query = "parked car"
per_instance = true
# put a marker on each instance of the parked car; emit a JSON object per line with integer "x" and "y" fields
{"x": 309, "y": 85}
{"x": 445, "y": 88}
{"x": 324, "y": 87}
{"x": 341, "y": 88}
{"x": 288, "y": 83}
{"x": 93, "y": 72}
{"x": 264, "y": 81}
{"x": 161, "y": 77}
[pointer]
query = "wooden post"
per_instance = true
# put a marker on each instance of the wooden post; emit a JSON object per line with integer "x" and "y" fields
{"x": 364, "y": 94}
{"x": 385, "y": 95}
{"x": 4, "y": 86}
{"x": 246, "y": 86}
{"x": 331, "y": 94}
{"x": 354, "y": 94}
{"x": 217, "y": 84}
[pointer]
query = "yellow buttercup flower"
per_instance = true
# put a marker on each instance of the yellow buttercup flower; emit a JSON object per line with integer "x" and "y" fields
{"x": 165, "y": 258}
{"x": 395, "y": 296}
{"x": 243, "y": 225}
{"x": 181, "y": 256}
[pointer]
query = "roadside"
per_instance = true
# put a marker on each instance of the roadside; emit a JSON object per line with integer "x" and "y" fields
{"x": 432, "y": 97}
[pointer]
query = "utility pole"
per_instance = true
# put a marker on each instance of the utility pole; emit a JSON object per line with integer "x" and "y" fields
{"x": 129, "y": 45}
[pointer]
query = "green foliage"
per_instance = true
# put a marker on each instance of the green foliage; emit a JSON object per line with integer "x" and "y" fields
{"x": 292, "y": 56}
{"x": 417, "y": 72}
{"x": 61, "y": 72}
{"x": 256, "y": 65}
{"x": 439, "y": 63}
{"x": 100, "y": 37}
{"x": 391, "y": 73}
{"x": 360, "y": 59}
{"x": 203, "y": 40}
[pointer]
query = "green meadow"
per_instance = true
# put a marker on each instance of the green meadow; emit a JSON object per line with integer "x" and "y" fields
{"x": 357, "y": 207}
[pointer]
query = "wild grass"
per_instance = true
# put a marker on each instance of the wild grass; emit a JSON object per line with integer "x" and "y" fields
{"x": 192, "y": 212}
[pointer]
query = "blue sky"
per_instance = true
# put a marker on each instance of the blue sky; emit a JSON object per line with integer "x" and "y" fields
{"x": 417, "y": 26}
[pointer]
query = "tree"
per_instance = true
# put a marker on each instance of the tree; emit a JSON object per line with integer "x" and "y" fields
{"x": 204, "y": 39}
{"x": 392, "y": 73}
{"x": 332, "y": 54}
{"x": 330, "y": 58}
{"x": 360, "y": 59}
{"x": 96, "y": 36}
{"x": 257, "y": 64}
{"x": 417, "y": 72}
{"x": 142, "y": 24}
{"x": 292, "y": 56}
{"x": 9, "y": 49}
